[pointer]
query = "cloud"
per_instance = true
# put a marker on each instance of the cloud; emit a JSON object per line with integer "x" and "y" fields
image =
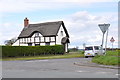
{"x": 9, "y": 30}
{"x": 83, "y": 28}
{"x": 31, "y": 5}
{"x": 82, "y": 25}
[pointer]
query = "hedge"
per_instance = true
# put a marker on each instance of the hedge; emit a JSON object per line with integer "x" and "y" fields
{"x": 17, "y": 51}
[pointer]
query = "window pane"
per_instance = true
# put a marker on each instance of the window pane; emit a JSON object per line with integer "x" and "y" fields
{"x": 37, "y": 44}
{"x": 88, "y": 48}
{"x": 96, "y": 47}
{"x": 47, "y": 43}
{"x": 29, "y": 44}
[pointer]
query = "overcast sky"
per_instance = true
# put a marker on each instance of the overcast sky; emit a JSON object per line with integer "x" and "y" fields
{"x": 81, "y": 18}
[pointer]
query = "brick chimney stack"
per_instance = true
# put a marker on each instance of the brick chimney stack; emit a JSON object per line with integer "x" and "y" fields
{"x": 26, "y": 22}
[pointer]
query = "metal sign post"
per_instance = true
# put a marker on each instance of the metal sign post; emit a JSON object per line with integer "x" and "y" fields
{"x": 106, "y": 40}
{"x": 104, "y": 27}
{"x": 84, "y": 46}
{"x": 112, "y": 41}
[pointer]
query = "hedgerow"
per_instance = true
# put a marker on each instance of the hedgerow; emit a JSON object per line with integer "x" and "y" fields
{"x": 17, "y": 51}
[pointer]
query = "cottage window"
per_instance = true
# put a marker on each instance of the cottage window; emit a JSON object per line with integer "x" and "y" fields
{"x": 37, "y": 44}
{"x": 29, "y": 44}
{"x": 37, "y": 34}
{"x": 47, "y": 39}
{"x": 24, "y": 40}
{"x": 37, "y": 39}
{"x": 42, "y": 39}
{"x": 52, "y": 38}
{"x": 61, "y": 33}
{"x": 47, "y": 43}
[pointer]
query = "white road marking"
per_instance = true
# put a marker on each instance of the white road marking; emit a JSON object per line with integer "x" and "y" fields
{"x": 117, "y": 74}
{"x": 82, "y": 71}
{"x": 102, "y": 72}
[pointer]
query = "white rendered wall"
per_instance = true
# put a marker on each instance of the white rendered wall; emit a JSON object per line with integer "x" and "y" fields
{"x": 59, "y": 37}
{"x": 23, "y": 44}
{"x": 16, "y": 43}
{"x": 52, "y": 43}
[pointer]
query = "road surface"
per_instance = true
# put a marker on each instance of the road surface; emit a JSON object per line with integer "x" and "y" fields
{"x": 54, "y": 68}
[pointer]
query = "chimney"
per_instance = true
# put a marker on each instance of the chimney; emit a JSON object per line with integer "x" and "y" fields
{"x": 26, "y": 22}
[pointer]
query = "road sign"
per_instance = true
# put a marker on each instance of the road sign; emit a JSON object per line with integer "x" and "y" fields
{"x": 104, "y": 27}
{"x": 112, "y": 40}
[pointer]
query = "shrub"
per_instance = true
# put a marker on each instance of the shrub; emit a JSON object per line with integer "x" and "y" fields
{"x": 17, "y": 51}
{"x": 82, "y": 52}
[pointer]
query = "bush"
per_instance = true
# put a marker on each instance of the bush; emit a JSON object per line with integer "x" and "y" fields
{"x": 82, "y": 52}
{"x": 17, "y": 51}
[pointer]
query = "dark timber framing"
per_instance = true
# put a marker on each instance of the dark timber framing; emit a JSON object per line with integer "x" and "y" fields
{"x": 37, "y": 40}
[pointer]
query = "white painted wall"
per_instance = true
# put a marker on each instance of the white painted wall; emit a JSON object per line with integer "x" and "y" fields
{"x": 32, "y": 40}
{"x": 16, "y": 43}
{"x": 47, "y": 39}
{"x": 23, "y": 44}
{"x": 60, "y": 36}
{"x": 52, "y": 43}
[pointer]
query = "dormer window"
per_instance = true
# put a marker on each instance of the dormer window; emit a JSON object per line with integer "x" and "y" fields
{"x": 61, "y": 33}
{"x": 37, "y": 34}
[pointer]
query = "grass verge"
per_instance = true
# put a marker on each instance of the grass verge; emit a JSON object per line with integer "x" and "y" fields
{"x": 106, "y": 60}
{"x": 111, "y": 58}
{"x": 112, "y": 53}
{"x": 69, "y": 55}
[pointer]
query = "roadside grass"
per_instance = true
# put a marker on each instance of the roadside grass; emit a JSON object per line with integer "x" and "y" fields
{"x": 69, "y": 55}
{"x": 112, "y": 53}
{"x": 106, "y": 60}
{"x": 111, "y": 58}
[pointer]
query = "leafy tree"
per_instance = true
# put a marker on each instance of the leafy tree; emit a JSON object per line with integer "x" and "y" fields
{"x": 10, "y": 42}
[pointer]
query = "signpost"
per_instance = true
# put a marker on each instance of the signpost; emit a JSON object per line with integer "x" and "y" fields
{"x": 104, "y": 27}
{"x": 112, "y": 41}
{"x": 84, "y": 46}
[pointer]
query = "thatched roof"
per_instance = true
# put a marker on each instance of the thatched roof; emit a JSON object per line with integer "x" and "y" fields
{"x": 46, "y": 29}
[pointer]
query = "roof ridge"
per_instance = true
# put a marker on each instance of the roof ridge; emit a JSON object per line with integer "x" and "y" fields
{"x": 46, "y": 22}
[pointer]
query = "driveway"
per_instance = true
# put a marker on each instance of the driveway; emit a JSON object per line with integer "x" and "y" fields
{"x": 55, "y": 68}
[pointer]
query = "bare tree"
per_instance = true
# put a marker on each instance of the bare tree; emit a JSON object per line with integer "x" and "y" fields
{"x": 10, "y": 42}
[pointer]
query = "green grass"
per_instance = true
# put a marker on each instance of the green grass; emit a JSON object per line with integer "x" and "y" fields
{"x": 111, "y": 58}
{"x": 112, "y": 53}
{"x": 69, "y": 55}
{"x": 106, "y": 60}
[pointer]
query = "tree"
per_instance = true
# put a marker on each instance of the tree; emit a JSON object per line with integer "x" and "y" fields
{"x": 10, "y": 42}
{"x": 75, "y": 48}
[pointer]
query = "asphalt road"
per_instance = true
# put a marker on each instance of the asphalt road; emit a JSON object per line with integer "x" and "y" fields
{"x": 54, "y": 68}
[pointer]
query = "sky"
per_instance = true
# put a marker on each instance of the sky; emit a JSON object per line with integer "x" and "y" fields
{"x": 81, "y": 18}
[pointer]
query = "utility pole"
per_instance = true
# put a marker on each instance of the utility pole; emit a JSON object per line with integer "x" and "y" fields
{"x": 84, "y": 46}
